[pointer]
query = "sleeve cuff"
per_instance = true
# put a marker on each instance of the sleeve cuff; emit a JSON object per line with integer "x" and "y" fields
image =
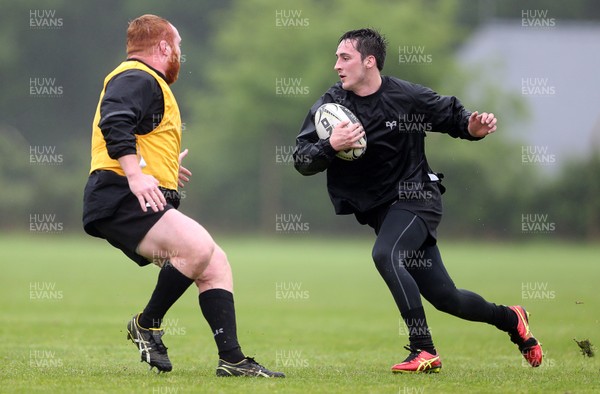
{"x": 116, "y": 155}
{"x": 327, "y": 148}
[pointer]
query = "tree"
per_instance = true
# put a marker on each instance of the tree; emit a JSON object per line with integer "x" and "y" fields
{"x": 571, "y": 200}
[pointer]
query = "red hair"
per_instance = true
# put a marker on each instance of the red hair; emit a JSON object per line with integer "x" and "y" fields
{"x": 145, "y": 32}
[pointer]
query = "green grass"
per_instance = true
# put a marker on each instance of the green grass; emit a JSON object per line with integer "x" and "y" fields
{"x": 340, "y": 334}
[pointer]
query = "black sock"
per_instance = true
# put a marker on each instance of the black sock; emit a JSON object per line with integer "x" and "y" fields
{"x": 418, "y": 330}
{"x": 505, "y": 319}
{"x": 170, "y": 286}
{"x": 219, "y": 311}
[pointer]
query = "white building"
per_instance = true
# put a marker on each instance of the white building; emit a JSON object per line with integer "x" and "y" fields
{"x": 554, "y": 65}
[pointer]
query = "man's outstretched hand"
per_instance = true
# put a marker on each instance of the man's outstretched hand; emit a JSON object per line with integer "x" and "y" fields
{"x": 482, "y": 124}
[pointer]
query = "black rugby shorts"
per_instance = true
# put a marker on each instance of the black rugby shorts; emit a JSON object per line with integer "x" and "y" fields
{"x": 126, "y": 228}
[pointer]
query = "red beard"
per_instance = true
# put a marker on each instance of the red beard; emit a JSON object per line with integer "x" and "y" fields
{"x": 172, "y": 71}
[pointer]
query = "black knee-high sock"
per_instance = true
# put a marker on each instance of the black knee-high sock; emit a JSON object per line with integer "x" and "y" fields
{"x": 219, "y": 311}
{"x": 418, "y": 330}
{"x": 170, "y": 286}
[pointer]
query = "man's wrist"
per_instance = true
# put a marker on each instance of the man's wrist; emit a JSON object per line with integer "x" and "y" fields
{"x": 328, "y": 148}
{"x": 130, "y": 165}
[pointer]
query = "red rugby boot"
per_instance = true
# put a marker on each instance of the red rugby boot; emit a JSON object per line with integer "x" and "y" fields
{"x": 419, "y": 361}
{"x": 530, "y": 348}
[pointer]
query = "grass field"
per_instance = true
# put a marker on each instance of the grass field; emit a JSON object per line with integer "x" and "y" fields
{"x": 315, "y": 309}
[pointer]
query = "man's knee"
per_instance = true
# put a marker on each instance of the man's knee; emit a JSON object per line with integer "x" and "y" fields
{"x": 381, "y": 255}
{"x": 196, "y": 257}
{"x": 218, "y": 271}
{"x": 219, "y": 256}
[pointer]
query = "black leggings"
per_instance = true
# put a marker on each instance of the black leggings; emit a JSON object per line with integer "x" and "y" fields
{"x": 410, "y": 266}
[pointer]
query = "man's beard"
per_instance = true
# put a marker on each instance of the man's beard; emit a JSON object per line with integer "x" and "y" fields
{"x": 172, "y": 71}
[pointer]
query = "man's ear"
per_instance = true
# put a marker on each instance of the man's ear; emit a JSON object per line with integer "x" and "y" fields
{"x": 370, "y": 61}
{"x": 163, "y": 45}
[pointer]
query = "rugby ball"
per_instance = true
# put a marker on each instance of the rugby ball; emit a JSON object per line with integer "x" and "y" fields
{"x": 327, "y": 117}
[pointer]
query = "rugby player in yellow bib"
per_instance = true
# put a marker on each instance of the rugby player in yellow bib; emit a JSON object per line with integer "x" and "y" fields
{"x": 131, "y": 198}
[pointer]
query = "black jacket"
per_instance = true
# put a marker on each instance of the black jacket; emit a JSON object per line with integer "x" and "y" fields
{"x": 395, "y": 119}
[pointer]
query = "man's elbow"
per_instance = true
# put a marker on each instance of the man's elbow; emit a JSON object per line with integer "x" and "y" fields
{"x": 302, "y": 164}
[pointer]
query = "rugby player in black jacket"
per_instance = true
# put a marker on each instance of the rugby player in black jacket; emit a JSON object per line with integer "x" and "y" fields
{"x": 392, "y": 189}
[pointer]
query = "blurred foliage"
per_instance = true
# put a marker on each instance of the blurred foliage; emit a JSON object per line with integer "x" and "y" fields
{"x": 571, "y": 200}
{"x": 241, "y": 129}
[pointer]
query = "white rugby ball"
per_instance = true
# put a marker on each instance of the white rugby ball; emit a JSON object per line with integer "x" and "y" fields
{"x": 327, "y": 117}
